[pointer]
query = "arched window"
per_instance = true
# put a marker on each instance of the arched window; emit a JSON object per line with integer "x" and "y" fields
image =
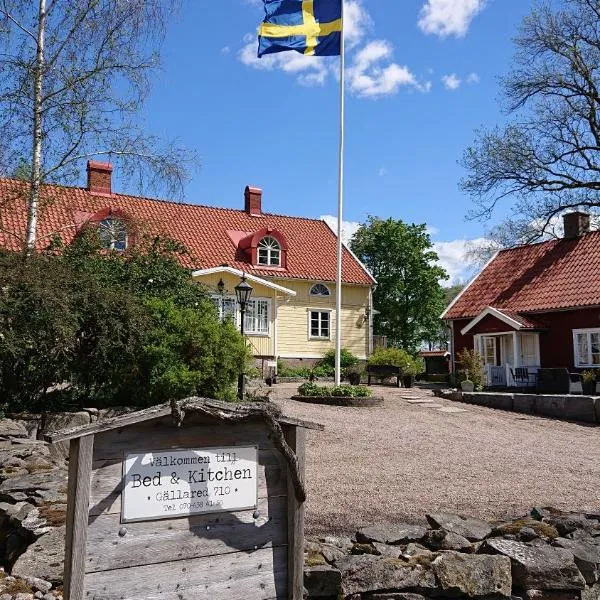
{"x": 113, "y": 234}
{"x": 269, "y": 252}
{"x": 319, "y": 289}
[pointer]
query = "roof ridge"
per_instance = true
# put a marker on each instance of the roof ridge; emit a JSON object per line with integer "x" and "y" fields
{"x": 161, "y": 200}
{"x": 551, "y": 241}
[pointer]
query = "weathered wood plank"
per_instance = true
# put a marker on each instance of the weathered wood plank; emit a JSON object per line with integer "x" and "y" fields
{"x": 163, "y": 410}
{"x": 152, "y": 542}
{"x": 295, "y": 438}
{"x": 80, "y": 467}
{"x": 160, "y": 434}
{"x": 107, "y": 479}
{"x": 259, "y": 575}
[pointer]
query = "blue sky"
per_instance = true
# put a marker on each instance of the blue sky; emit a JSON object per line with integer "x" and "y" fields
{"x": 422, "y": 76}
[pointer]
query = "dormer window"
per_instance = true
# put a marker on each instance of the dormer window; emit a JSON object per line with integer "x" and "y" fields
{"x": 113, "y": 234}
{"x": 269, "y": 252}
{"x": 319, "y": 289}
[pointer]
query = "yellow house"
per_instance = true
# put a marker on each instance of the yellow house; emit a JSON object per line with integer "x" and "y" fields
{"x": 290, "y": 262}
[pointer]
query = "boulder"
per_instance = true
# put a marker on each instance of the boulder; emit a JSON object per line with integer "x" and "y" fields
{"x": 397, "y": 596}
{"x": 44, "y": 559}
{"x": 386, "y": 550}
{"x": 369, "y": 573}
{"x": 538, "y": 567}
{"x": 322, "y": 581}
{"x": 551, "y": 595}
{"x": 566, "y": 524}
{"x": 440, "y": 539}
{"x": 587, "y": 557}
{"x": 12, "y": 429}
{"x": 473, "y": 575}
{"x": 391, "y": 533}
{"x": 329, "y": 552}
{"x": 472, "y": 529}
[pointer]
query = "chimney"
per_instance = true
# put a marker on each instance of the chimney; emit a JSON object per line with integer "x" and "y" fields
{"x": 253, "y": 201}
{"x": 576, "y": 224}
{"x": 99, "y": 178}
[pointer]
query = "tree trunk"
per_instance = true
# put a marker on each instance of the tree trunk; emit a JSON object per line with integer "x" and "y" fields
{"x": 36, "y": 167}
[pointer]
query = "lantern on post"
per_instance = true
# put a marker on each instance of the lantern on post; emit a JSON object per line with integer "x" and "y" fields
{"x": 243, "y": 291}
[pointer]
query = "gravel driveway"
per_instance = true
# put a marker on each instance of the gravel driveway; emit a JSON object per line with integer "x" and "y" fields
{"x": 406, "y": 458}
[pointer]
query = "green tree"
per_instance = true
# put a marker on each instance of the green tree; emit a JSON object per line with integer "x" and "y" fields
{"x": 408, "y": 297}
{"x": 545, "y": 158}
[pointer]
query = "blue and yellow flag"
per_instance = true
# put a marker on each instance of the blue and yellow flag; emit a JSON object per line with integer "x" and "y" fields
{"x": 311, "y": 27}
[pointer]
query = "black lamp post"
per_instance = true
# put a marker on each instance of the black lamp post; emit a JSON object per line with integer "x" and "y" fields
{"x": 243, "y": 291}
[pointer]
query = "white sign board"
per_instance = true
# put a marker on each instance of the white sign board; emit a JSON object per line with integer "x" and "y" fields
{"x": 175, "y": 483}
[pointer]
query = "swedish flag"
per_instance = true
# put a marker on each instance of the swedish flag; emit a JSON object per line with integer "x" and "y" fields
{"x": 311, "y": 27}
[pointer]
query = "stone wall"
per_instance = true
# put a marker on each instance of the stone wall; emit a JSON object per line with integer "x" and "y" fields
{"x": 547, "y": 555}
{"x": 568, "y": 407}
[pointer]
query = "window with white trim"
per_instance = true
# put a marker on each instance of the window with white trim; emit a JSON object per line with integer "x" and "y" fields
{"x": 226, "y": 307}
{"x": 587, "y": 347}
{"x": 319, "y": 289}
{"x": 269, "y": 252}
{"x": 113, "y": 234}
{"x": 319, "y": 325}
{"x": 256, "y": 319}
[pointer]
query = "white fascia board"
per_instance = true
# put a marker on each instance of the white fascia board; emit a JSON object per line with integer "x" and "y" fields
{"x": 487, "y": 264}
{"x": 494, "y": 313}
{"x": 248, "y": 276}
{"x": 362, "y": 266}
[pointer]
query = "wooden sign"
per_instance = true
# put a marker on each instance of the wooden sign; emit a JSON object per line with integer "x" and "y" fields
{"x": 165, "y": 484}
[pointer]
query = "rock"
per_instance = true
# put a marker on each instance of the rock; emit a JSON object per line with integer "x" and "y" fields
{"x": 566, "y": 524}
{"x": 474, "y": 530}
{"x": 527, "y": 534}
{"x": 329, "y": 552}
{"x": 22, "y": 596}
{"x": 44, "y": 559}
{"x": 591, "y": 593}
{"x": 5, "y": 597}
{"x": 390, "y": 533}
{"x": 473, "y": 575}
{"x": 386, "y": 550}
{"x": 397, "y": 596}
{"x": 39, "y": 584}
{"x": 587, "y": 557}
{"x": 322, "y": 581}
{"x": 358, "y": 549}
{"x": 538, "y": 567}
{"x": 440, "y": 539}
{"x": 12, "y": 429}
{"x": 373, "y": 574}
{"x": 551, "y": 595}
{"x": 343, "y": 543}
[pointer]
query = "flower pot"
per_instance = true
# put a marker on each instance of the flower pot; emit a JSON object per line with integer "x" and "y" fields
{"x": 467, "y": 386}
{"x": 354, "y": 378}
{"x": 408, "y": 380}
{"x": 589, "y": 388}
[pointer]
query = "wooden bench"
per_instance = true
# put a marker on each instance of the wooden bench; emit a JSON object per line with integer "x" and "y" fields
{"x": 383, "y": 372}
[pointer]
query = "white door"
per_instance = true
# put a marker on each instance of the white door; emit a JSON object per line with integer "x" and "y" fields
{"x": 529, "y": 350}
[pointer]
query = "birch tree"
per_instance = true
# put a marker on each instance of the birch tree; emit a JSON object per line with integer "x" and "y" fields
{"x": 73, "y": 79}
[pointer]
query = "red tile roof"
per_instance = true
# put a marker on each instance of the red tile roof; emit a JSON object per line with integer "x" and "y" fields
{"x": 526, "y": 322}
{"x": 548, "y": 276}
{"x": 203, "y": 229}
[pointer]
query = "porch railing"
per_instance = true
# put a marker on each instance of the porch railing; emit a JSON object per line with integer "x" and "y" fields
{"x": 497, "y": 376}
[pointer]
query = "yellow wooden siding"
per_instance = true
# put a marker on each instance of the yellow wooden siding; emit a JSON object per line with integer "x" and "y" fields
{"x": 289, "y": 335}
{"x": 261, "y": 345}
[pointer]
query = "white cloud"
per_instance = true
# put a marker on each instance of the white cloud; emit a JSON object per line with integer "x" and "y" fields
{"x": 382, "y": 172}
{"x": 473, "y": 78}
{"x": 451, "y": 82}
{"x": 449, "y": 17}
{"x": 370, "y": 76}
{"x": 225, "y": 50}
{"x": 372, "y": 72}
{"x": 349, "y": 228}
{"x": 454, "y": 258}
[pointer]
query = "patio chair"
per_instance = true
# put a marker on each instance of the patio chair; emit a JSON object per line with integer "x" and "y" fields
{"x": 520, "y": 376}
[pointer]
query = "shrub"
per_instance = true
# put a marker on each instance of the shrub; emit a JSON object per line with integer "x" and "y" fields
{"x": 588, "y": 376}
{"x": 347, "y": 359}
{"x": 471, "y": 368}
{"x": 347, "y": 391}
{"x": 398, "y": 357}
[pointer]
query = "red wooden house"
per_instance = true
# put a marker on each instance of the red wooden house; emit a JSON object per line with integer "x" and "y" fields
{"x": 534, "y": 306}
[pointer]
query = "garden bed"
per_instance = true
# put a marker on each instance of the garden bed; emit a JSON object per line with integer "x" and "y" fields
{"x": 340, "y": 400}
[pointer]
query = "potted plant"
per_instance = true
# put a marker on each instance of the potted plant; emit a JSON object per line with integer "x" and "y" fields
{"x": 588, "y": 382}
{"x": 467, "y": 385}
{"x": 353, "y": 374}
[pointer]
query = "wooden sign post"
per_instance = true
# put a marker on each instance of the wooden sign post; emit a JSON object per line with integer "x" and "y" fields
{"x": 205, "y": 506}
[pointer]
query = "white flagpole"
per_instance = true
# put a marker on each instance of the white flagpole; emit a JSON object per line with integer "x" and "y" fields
{"x": 338, "y": 287}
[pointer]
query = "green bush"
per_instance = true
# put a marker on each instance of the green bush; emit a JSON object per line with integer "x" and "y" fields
{"x": 398, "y": 357}
{"x": 83, "y": 327}
{"x": 346, "y": 391}
{"x": 470, "y": 367}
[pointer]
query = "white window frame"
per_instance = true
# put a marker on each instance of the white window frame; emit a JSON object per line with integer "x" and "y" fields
{"x": 310, "y": 311}
{"x": 111, "y": 221}
{"x": 314, "y": 285}
{"x": 252, "y": 331}
{"x": 577, "y": 358}
{"x": 272, "y": 248}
